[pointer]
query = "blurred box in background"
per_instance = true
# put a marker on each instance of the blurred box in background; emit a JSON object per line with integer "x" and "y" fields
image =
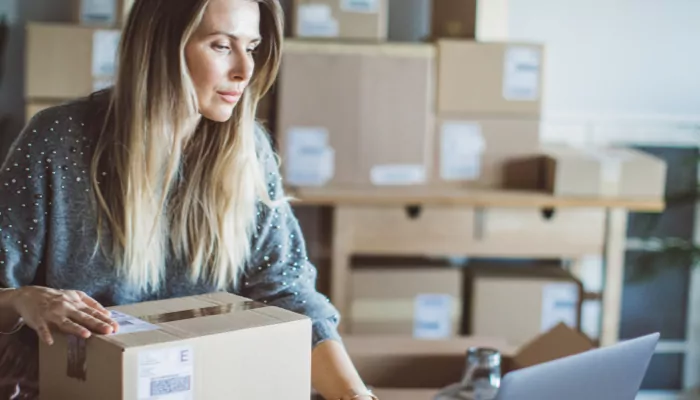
{"x": 589, "y": 172}
{"x": 473, "y": 151}
{"x": 490, "y": 79}
{"x": 425, "y": 303}
{"x": 482, "y": 20}
{"x": 354, "y": 115}
{"x": 363, "y": 20}
{"x": 102, "y": 13}
{"x": 518, "y": 303}
{"x": 68, "y": 61}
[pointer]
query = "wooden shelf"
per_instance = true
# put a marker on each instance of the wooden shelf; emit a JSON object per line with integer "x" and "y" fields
{"x": 468, "y": 197}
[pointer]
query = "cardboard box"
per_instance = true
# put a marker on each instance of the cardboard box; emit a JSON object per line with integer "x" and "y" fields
{"x": 352, "y": 115}
{"x": 482, "y": 20}
{"x": 102, "y": 13}
{"x": 519, "y": 303}
{"x": 589, "y": 172}
{"x": 204, "y": 347}
{"x": 490, "y": 79}
{"x": 473, "y": 151}
{"x": 357, "y": 20}
{"x": 68, "y": 61}
{"x": 390, "y": 363}
{"x": 425, "y": 303}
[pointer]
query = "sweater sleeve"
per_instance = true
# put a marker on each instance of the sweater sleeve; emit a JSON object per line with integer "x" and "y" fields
{"x": 279, "y": 272}
{"x": 24, "y": 204}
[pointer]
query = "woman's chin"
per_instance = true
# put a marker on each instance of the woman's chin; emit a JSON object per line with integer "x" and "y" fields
{"x": 219, "y": 114}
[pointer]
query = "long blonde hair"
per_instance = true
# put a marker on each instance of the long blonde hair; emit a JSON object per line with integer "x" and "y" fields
{"x": 158, "y": 186}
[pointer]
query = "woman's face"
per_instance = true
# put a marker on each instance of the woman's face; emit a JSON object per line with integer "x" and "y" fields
{"x": 220, "y": 55}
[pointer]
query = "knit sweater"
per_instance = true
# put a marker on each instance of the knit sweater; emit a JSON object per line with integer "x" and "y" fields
{"x": 48, "y": 228}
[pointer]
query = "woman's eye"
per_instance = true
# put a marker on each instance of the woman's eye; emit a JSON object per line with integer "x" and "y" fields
{"x": 252, "y": 50}
{"x": 220, "y": 47}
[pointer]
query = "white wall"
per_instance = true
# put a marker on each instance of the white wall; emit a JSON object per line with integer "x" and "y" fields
{"x": 636, "y": 60}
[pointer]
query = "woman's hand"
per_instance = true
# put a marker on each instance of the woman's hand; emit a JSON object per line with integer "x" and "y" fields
{"x": 69, "y": 311}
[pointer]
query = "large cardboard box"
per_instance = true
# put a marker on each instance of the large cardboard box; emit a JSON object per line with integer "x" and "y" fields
{"x": 102, "y": 13}
{"x": 424, "y": 303}
{"x": 519, "y": 303}
{"x": 498, "y": 79}
{"x": 216, "y": 346}
{"x": 353, "y": 115}
{"x": 354, "y": 20}
{"x": 68, "y": 61}
{"x": 589, "y": 172}
{"x": 473, "y": 151}
{"x": 483, "y": 20}
{"x": 395, "y": 366}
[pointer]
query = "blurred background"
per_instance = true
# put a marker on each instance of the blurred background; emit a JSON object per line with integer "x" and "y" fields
{"x": 465, "y": 168}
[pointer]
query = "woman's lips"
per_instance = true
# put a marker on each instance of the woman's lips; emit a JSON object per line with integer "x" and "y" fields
{"x": 230, "y": 97}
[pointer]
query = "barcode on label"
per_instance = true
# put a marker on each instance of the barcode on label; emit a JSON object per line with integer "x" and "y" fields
{"x": 124, "y": 323}
{"x": 170, "y": 385}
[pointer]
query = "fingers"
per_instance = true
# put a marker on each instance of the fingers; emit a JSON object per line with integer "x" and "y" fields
{"x": 70, "y": 327}
{"x": 92, "y": 303}
{"x": 85, "y": 319}
{"x": 44, "y": 333}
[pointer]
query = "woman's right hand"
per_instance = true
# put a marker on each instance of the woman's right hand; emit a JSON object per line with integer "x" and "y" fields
{"x": 68, "y": 311}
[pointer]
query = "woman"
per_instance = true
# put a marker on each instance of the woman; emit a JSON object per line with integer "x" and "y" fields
{"x": 162, "y": 186}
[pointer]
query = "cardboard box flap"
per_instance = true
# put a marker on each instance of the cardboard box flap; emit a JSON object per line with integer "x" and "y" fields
{"x": 196, "y": 316}
{"x": 560, "y": 341}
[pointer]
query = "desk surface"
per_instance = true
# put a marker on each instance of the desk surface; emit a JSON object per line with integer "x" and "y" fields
{"x": 470, "y": 197}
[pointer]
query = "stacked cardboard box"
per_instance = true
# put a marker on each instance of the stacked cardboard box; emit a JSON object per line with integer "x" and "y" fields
{"x": 352, "y": 20}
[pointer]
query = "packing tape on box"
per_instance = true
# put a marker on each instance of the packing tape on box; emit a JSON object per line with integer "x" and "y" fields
{"x": 77, "y": 346}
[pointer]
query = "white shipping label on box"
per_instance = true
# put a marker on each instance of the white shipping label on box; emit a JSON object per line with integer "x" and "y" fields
{"x": 129, "y": 324}
{"x": 166, "y": 373}
{"x": 461, "y": 147}
{"x": 310, "y": 160}
{"x": 559, "y": 304}
{"x": 398, "y": 175}
{"x": 316, "y": 20}
{"x": 432, "y": 317}
{"x": 360, "y": 6}
{"x": 105, "y": 44}
{"x": 521, "y": 77}
{"x": 99, "y": 11}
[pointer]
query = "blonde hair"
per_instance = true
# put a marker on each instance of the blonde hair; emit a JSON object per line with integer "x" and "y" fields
{"x": 158, "y": 186}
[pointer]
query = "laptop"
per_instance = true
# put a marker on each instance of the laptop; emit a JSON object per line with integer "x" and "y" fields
{"x": 609, "y": 373}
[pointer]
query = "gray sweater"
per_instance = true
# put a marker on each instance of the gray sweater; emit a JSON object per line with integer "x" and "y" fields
{"x": 48, "y": 229}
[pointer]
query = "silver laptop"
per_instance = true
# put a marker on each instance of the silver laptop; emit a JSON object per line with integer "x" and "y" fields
{"x": 609, "y": 373}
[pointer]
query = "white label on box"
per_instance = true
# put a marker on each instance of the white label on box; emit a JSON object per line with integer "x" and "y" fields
{"x": 316, "y": 20}
{"x": 461, "y": 147}
{"x": 99, "y": 11}
{"x": 397, "y": 175}
{"x": 129, "y": 324}
{"x": 105, "y": 44}
{"x": 310, "y": 161}
{"x": 432, "y": 317}
{"x": 559, "y": 304}
{"x": 360, "y": 6}
{"x": 521, "y": 77}
{"x": 166, "y": 373}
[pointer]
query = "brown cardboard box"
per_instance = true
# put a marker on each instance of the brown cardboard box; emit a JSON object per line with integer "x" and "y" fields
{"x": 68, "y": 61}
{"x": 353, "y": 115}
{"x": 360, "y": 20}
{"x": 390, "y": 363}
{"x": 419, "y": 302}
{"x": 519, "y": 303}
{"x": 490, "y": 79}
{"x": 589, "y": 172}
{"x": 103, "y": 13}
{"x": 473, "y": 151}
{"x": 482, "y": 20}
{"x": 204, "y": 347}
